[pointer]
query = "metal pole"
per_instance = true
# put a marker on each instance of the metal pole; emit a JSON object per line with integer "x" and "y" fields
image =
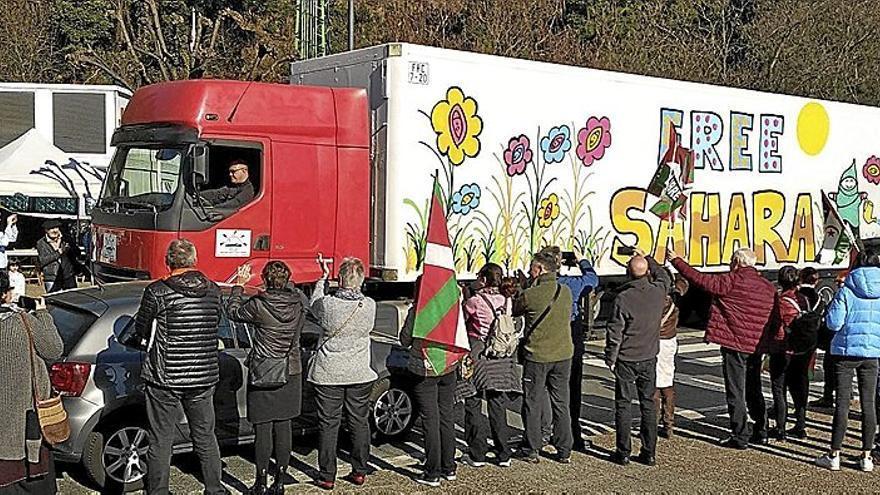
{"x": 350, "y": 25}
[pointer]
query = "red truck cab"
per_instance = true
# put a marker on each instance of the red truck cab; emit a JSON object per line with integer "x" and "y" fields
{"x": 307, "y": 151}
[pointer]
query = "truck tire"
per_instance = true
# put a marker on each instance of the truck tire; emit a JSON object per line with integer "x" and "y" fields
{"x": 115, "y": 457}
{"x": 391, "y": 410}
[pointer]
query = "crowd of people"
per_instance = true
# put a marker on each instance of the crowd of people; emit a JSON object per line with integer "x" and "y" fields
{"x": 536, "y": 321}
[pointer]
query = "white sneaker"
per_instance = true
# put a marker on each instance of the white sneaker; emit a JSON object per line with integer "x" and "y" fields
{"x": 828, "y": 462}
{"x": 504, "y": 464}
{"x": 866, "y": 464}
{"x": 466, "y": 459}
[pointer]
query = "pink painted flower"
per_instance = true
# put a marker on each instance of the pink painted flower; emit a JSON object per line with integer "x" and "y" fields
{"x": 593, "y": 140}
{"x": 517, "y": 155}
{"x": 871, "y": 170}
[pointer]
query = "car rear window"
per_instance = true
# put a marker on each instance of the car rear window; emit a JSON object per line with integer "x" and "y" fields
{"x": 71, "y": 323}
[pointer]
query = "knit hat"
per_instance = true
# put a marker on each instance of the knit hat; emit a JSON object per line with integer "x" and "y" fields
{"x": 51, "y": 224}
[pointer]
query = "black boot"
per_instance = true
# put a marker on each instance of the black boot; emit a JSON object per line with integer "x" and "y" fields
{"x": 259, "y": 487}
{"x": 277, "y": 487}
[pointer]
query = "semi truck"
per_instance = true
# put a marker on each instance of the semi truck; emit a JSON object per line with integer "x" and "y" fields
{"x": 527, "y": 154}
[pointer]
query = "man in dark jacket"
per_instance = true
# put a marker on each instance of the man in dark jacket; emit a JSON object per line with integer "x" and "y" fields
{"x": 632, "y": 341}
{"x": 239, "y": 192}
{"x": 178, "y": 317}
{"x": 740, "y": 322}
{"x": 57, "y": 259}
{"x": 546, "y": 306}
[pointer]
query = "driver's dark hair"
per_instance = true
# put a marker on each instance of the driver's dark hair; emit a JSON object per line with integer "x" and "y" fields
{"x": 238, "y": 161}
{"x": 276, "y": 275}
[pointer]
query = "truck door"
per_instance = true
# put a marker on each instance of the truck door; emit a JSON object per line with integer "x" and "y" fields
{"x": 304, "y": 215}
{"x": 239, "y": 233}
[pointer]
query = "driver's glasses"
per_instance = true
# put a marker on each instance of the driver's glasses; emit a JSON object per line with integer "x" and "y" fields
{"x": 233, "y": 171}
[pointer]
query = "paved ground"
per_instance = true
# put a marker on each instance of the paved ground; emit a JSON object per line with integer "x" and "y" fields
{"x": 689, "y": 463}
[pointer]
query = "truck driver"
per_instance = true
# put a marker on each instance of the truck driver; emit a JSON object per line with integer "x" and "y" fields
{"x": 239, "y": 192}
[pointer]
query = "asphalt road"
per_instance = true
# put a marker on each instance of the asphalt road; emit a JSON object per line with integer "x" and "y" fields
{"x": 690, "y": 462}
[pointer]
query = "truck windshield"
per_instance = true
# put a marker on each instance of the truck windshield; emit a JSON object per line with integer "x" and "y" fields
{"x": 144, "y": 176}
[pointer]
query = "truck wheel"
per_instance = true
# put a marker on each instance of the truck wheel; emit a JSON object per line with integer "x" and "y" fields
{"x": 392, "y": 411}
{"x": 115, "y": 457}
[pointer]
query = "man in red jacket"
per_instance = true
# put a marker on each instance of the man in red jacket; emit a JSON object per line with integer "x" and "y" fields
{"x": 740, "y": 322}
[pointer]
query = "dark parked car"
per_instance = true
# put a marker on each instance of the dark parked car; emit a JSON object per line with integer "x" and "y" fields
{"x": 103, "y": 392}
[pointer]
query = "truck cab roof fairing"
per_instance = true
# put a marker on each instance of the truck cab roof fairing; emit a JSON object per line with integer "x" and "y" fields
{"x": 291, "y": 113}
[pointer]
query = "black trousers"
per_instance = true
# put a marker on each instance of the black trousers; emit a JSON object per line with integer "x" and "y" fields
{"x": 635, "y": 380}
{"x": 575, "y": 382}
{"x": 355, "y": 399}
{"x": 742, "y": 386}
{"x": 539, "y": 380}
{"x": 789, "y": 374}
{"x": 477, "y": 428}
{"x": 435, "y": 398}
{"x": 828, "y": 374}
{"x": 272, "y": 436}
{"x": 163, "y": 407}
{"x": 866, "y": 374}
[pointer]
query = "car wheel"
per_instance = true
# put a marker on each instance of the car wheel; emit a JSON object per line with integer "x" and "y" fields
{"x": 116, "y": 457}
{"x": 392, "y": 410}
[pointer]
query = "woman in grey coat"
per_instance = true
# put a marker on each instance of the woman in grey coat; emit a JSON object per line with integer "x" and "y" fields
{"x": 340, "y": 369}
{"x": 25, "y": 462}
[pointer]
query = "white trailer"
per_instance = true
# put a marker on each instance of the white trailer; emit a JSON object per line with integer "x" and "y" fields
{"x": 533, "y": 153}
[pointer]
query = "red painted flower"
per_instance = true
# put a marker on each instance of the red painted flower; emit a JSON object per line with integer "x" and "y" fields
{"x": 871, "y": 170}
{"x": 517, "y": 155}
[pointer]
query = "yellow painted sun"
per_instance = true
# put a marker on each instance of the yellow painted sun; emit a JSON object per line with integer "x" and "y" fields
{"x": 812, "y": 128}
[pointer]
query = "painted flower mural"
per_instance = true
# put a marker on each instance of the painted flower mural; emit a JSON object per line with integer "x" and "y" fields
{"x": 871, "y": 170}
{"x": 517, "y": 155}
{"x": 466, "y": 199}
{"x": 457, "y": 125}
{"x": 593, "y": 140}
{"x": 556, "y": 144}
{"x": 549, "y": 210}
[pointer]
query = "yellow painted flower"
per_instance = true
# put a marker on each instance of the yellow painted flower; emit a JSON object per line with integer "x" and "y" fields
{"x": 457, "y": 125}
{"x": 549, "y": 210}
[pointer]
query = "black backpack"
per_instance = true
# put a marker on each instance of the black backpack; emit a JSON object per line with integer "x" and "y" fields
{"x": 803, "y": 332}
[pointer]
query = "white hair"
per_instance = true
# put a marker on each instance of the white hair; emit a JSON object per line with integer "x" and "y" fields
{"x": 744, "y": 257}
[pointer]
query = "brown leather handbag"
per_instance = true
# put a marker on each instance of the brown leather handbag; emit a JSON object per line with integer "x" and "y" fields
{"x": 53, "y": 418}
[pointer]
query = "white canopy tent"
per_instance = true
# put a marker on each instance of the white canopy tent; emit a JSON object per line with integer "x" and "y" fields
{"x": 38, "y": 179}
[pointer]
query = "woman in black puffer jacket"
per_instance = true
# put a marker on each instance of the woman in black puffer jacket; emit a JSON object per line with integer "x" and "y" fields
{"x": 277, "y": 315}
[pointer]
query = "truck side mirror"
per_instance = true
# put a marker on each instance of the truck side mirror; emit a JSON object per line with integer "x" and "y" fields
{"x": 200, "y": 165}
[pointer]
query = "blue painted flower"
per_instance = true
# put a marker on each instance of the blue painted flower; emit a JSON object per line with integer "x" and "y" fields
{"x": 556, "y": 144}
{"x": 466, "y": 199}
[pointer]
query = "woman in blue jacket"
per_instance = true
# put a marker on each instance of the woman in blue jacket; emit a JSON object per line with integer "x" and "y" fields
{"x": 854, "y": 317}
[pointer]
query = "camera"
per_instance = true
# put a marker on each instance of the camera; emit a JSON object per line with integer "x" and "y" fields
{"x": 626, "y": 250}
{"x": 569, "y": 258}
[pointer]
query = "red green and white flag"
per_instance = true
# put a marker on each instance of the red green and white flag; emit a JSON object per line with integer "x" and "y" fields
{"x": 438, "y": 320}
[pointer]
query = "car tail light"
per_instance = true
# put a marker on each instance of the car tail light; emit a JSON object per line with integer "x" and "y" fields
{"x": 70, "y": 378}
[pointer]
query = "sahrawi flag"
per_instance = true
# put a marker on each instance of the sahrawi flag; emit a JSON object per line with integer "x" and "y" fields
{"x": 838, "y": 243}
{"x": 673, "y": 180}
{"x": 438, "y": 321}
